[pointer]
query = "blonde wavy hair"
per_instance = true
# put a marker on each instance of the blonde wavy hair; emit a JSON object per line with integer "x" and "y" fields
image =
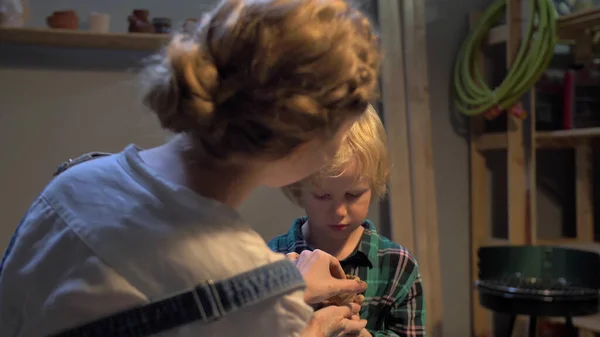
{"x": 364, "y": 148}
{"x": 257, "y": 78}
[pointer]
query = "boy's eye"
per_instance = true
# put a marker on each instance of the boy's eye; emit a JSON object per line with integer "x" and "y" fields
{"x": 354, "y": 196}
{"x": 322, "y": 196}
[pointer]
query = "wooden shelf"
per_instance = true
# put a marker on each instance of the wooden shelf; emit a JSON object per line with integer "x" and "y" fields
{"x": 82, "y": 39}
{"x": 573, "y": 133}
{"x": 571, "y": 25}
{"x": 566, "y": 138}
{"x": 544, "y": 139}
{"x": 568, "y": 26}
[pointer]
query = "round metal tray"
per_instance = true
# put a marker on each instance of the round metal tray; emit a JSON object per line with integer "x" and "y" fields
{"x": 536, "y": 288}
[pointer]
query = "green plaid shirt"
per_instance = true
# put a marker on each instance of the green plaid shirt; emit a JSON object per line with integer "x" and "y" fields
{"x": 394, "y": 303}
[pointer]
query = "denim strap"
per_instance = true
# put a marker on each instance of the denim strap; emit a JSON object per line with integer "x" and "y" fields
{"x": 207, "y": 302}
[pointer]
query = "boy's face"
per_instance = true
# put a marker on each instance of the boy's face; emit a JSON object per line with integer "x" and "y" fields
{"x": 338, "y": 206}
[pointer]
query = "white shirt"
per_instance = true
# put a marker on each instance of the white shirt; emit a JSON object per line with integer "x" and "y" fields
{"x": 110, "y": 234}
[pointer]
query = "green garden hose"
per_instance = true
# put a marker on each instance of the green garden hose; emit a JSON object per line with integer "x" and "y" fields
{"x": 472, "y": 94}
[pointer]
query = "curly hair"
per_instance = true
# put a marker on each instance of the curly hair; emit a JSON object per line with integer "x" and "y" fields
{"x": 364, "y": 147}
{"x": 257, "y": 78}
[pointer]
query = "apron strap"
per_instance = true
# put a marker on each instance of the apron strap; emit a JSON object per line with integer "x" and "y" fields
{"x": 207, "y": 302}
{"x": 81, "y": 159}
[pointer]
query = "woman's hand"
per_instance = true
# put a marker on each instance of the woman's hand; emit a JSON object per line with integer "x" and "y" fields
{"x": 360, "y": 299}
{"x": 324, "y": 276}
{"x": 334, "y": 321}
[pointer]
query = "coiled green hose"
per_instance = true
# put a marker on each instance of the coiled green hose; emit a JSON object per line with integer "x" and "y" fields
{"x": 472, "y": 94}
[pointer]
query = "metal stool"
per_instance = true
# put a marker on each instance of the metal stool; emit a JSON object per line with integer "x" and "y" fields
{"x": 539, "y": 281}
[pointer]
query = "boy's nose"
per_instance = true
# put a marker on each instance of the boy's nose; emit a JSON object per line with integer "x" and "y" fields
{"x": 340, "y": 210}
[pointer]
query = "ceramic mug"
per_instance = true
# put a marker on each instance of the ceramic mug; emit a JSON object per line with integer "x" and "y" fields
{"x": 99, "y": 22}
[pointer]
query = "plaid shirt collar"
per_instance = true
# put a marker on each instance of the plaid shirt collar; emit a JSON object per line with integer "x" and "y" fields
{"x": 360, "y": 256}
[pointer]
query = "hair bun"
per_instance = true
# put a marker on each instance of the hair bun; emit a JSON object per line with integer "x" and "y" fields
{"x": 259, "y": 77}
{"x": 181, "y": 89}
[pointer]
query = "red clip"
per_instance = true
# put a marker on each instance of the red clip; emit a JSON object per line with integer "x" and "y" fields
{"x": 518, "y": 111}
{"x": 493, "y": 113}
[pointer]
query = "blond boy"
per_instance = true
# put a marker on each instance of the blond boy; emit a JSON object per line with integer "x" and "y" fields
{"x": 336, "y": 201}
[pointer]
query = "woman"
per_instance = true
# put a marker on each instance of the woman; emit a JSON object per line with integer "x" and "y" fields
{"x": 261, "y": 93}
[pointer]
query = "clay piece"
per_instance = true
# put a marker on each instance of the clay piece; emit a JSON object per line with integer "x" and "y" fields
{"x": 343, "y": 299}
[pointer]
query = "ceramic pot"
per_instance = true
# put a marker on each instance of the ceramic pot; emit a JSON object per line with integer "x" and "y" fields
{"x": 63, "y": 20}
{"x": 142, "y": 14}
{"x": 139, "y": 22}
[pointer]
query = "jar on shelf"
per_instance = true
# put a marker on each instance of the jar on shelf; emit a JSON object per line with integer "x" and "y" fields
{"x": 139, "y": 21}
{"x": 162, "y": 25}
